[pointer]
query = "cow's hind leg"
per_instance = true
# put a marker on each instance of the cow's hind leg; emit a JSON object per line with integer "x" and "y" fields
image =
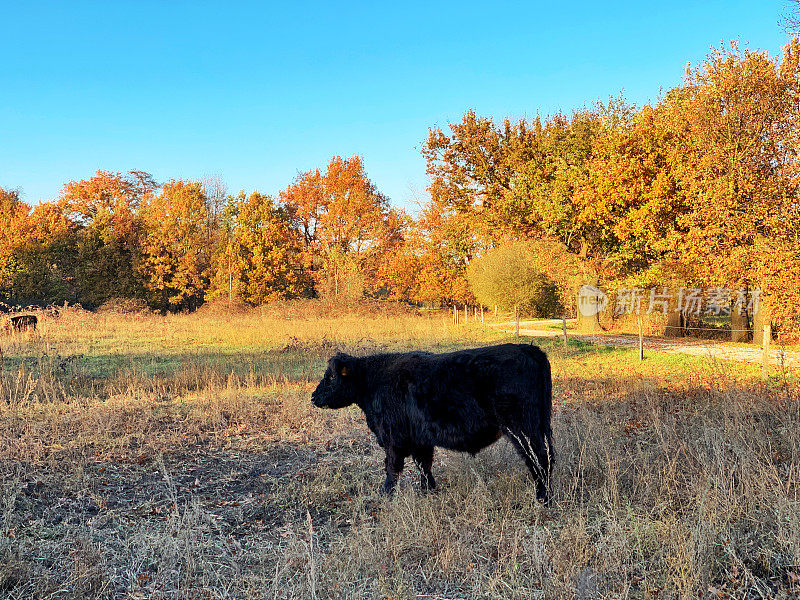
{"x": 544, "y": 453}
{"x": 423, "y": 456}
{"x": 395, "y": 460}
{"x": 536, "y": 451}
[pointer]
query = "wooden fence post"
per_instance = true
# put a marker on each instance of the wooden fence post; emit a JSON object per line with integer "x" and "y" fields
{"x": 641, "y": 340}
{"x": 564, "y": 329}
{"x": 765, "y": 356}
{"x": 516, "y": 318}
{"x": 466, "y": 317}
{"x": 481, "y": 313}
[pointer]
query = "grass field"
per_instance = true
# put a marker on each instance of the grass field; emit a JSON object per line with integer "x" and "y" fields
{"x": 179, "y": 457}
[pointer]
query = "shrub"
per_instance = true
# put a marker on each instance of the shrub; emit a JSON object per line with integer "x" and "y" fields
{"x": 506, "y": 277}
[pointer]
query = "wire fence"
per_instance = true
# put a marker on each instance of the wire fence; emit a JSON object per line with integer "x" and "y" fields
{"x": 477, "y": 313}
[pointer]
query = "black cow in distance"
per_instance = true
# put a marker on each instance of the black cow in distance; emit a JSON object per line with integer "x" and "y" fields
{"x": 23, "y": 322}
{"x": 462, "y": 401}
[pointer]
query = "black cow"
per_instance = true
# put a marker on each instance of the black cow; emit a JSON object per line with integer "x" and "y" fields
{"x": 24, "y": 322}
{"x": 463, "y": 401}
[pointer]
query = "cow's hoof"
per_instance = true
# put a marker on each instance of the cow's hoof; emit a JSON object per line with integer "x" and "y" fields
{"x": 428, "y": 484}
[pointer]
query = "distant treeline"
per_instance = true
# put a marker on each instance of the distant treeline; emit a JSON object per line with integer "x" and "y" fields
{"x": 700, "y": 188}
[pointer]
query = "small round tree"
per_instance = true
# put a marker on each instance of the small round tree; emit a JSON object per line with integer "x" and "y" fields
{"x": 505, "y": 277}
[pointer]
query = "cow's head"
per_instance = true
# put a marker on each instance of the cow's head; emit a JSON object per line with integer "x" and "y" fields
{"x": 337, "y": 388}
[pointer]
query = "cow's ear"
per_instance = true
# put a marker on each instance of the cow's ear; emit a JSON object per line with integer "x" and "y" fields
{"x": 341, "y": 365}
{"x": 335, "y": 363}
{"x": 347, "y": 368}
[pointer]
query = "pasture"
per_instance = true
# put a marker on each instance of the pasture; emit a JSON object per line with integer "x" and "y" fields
{"x": 179, "y": 456}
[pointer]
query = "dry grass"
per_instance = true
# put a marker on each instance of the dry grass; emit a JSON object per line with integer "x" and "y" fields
{"x": 179, "y": 457}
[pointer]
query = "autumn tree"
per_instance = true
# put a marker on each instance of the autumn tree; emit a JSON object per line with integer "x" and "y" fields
{"x": 471, "y": 168}
{"x": 398, "y": 274}
{"x": 790, "y": 20}
{"x": 260, "y": 258}
{"x": 13, "y": 234}
{"x": 629, "y": 202}
{"x": 37, "y": 252}
{"x": 445, "y": 243}
{"x": 736, "y": 117}
{"x": 47, "y": 258}
{"x": 542, "y": 195}
{"x": 217, "y": 201}
{"x": 347, "y": 227}
{"x": 176, "y": 250}
{"x": 105, "y": 208}
{"x": 489, "y": 182}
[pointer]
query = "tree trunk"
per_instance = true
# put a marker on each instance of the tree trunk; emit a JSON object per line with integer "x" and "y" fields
{"x": 760, "y": 318}
{"x": 674, "y": 326}
{"x": 589, "y": 306}
{"x": 740, "y": 331}
{"x": 590, "y": 324}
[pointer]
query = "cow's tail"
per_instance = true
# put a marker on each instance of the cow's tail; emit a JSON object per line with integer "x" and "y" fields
{"x": 529, "y": 430}
{"x": 542, "y": 406}
{"x": 547, "y": 407}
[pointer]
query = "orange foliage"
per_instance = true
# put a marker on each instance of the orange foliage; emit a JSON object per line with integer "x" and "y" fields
{"x": 341, "y": 215}
{"x": 176, "y": 247}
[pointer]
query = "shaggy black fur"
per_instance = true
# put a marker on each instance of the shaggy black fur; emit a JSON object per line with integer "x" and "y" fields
{"x": 462, "y": 401}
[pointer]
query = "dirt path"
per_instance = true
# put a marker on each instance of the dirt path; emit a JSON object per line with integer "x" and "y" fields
{"x": 707, "y": 348}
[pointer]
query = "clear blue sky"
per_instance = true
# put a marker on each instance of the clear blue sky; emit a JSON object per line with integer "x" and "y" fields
{"x": 257, "y": 92}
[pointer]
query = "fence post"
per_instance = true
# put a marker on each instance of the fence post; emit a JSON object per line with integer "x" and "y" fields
{"x": 495, "y": 312}
{"x": 516, "y": 318}
{"x": 765, "y": 357}
{"x": 564, "y": 329}
{"x": 641, "y": 340}
{"x": 455, "y": 314}
{"x": 481, "y": 314}
{"x": 466, "y": 316}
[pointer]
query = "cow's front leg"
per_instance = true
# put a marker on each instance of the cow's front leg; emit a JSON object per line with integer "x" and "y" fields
{"x": 395, "y": 459}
